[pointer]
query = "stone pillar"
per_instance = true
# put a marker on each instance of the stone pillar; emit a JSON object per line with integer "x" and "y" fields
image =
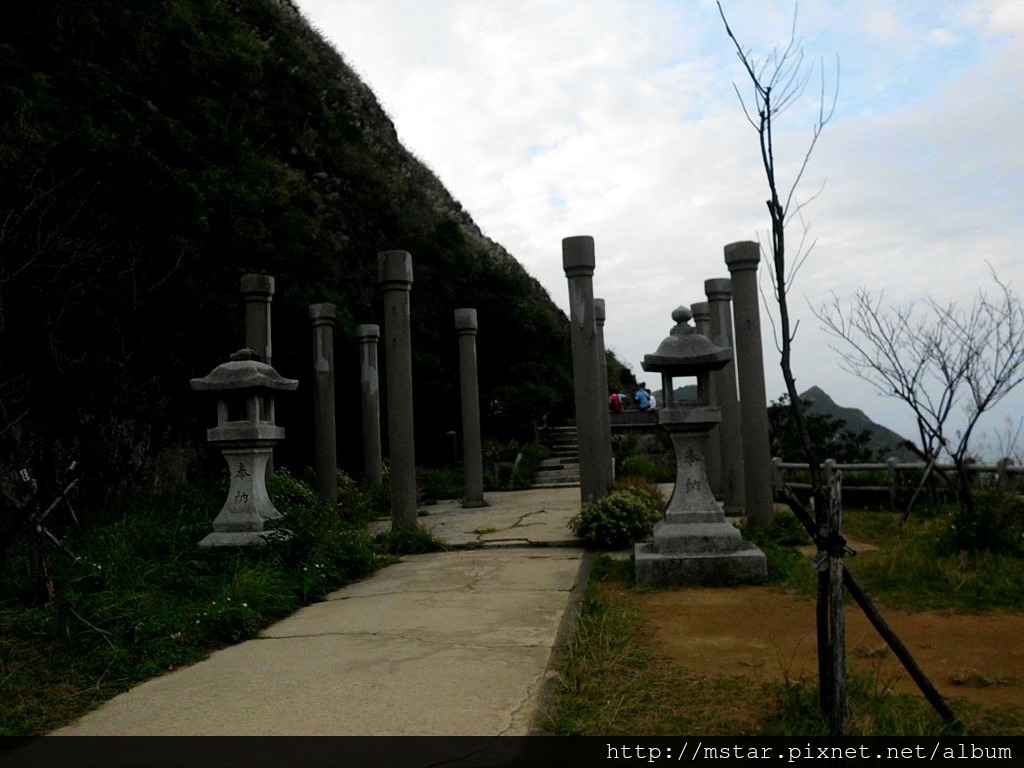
{"x": 325, "y": 438}
{"x": 602, "y": 375}
{"x": 742, "y": 259}
{"x": 367, "y": 336}
{"x": 713, "y": 450}
{"x": 723, "y": 383}
{"x": 257, "y": 293}
{"x": 395, "y": 277}
{"x": 578, "y": 263}
{"x": 472, "y": 449}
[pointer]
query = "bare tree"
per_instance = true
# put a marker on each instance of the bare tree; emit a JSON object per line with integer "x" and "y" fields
{"x": 939, "y": 359}
{"x": 778, "y": 82}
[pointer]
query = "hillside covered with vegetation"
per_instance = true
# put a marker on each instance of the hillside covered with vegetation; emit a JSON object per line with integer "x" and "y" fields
{"x": 153, "y": 153}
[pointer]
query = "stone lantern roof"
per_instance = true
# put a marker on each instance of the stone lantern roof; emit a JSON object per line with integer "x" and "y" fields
{"x": 685, "y": 352}
{"x": 244, "y": 370}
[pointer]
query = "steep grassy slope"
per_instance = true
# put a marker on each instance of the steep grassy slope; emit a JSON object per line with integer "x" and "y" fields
{"x": 153, "y": 152}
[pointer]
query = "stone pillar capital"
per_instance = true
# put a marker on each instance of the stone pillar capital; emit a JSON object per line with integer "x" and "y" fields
{"x": 257, "y": 287}
{"x": 394, "y": 270}
{"x": 465, "y": 320}
{"x": 701, "y": 313}
{"x": 367, "y": 334}
{"x": 599, "y": 314}
{"x": 718, "y": 289}
{"x": 742, "y": 256}
{"x": 322, "y": 314}
{"x": 578, "y": 256}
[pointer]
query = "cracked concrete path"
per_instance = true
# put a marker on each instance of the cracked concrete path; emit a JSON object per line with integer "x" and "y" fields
{"x": 451, "y": 643}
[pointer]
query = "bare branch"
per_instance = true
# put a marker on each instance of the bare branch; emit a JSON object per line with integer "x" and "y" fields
{"x": 952, "y": 357}
{"x": 778, "y": 81}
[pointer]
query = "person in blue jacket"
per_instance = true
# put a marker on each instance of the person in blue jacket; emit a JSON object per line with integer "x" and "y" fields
{"x": 640, "y": 397}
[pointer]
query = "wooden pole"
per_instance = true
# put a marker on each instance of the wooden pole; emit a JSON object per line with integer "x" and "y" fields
{"x": 867, "y": 605}
{"x": 913, "y": 499}
{"x": 893, "y": 482}
{"x": 837, "y": 707}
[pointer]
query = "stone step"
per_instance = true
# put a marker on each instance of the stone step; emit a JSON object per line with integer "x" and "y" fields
{"x": 570, "y": 466}
{"x": 563, "y": 436}
{"x": 560, "y": 462}
{"x": 553, "y": 473}
{"x": 562, "y": 469}
{"x": 568, "y": 475}
{"x": 556, "y": 483}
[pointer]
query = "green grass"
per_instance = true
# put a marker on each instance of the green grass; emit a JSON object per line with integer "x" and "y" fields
{"x": 436, "y": 484}
{"x": 612, "y": 682}
{"x": 910, "y": 570}
{"x": 144, "y": 599}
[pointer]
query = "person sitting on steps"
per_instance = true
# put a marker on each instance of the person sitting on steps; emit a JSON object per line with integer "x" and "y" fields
{"x": 641, "y": 398}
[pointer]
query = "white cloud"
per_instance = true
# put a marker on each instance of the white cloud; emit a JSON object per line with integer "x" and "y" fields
{"x": 619, "y": 120}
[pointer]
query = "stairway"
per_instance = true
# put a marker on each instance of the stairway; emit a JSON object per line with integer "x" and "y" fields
{"x": 562, "y": 470}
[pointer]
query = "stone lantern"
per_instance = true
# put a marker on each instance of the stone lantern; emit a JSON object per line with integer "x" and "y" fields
{"x": 246, "y": 433}
{"x": 694, "y": 542}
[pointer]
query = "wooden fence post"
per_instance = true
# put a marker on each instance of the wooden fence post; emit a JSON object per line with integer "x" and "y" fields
{"x": 1003, "y": 481}
{"x": 876, "y": 618}
{"x": 836, "y": 708}
{"x": 893, "y": 484}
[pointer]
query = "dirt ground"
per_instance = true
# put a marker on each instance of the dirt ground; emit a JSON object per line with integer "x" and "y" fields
{"x": 767, "y": 635}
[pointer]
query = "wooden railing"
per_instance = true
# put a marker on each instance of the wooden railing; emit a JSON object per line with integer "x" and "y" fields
{"x": 1004, "y": 471}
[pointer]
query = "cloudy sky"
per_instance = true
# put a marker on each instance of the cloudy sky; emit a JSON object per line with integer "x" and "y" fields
{"x": 619, "y": 119}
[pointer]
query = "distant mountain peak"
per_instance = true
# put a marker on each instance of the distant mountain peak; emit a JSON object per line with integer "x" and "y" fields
{"x": 857, "y": 421}
{"x": 815, "y": 395}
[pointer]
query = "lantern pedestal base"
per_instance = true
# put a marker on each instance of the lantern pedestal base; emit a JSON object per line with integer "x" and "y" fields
{"x": 695, "y": 543}
{"x": 658, "y": 570}
{"x": 248, "y": 506}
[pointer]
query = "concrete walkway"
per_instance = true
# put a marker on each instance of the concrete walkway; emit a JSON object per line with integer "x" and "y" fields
{"x": 453, "y": 643}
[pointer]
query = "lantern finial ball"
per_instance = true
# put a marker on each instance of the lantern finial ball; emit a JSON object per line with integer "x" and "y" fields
{"x": 682, "y": 314}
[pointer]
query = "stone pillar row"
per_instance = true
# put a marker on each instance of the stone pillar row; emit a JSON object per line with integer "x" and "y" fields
{"x": 739, "y": 460}
{"x": 395, "y": 280}
{"x": 723, "y": 384}
{"x": 472, "y": 442}
{"x": 325, "y": 439}
{"x": 257, "y": 295}
{"x": 578, "y": 263}
{"x": 742, "y": 260}
{"x": 369, "y": 377}
{"x": 713, "y": 460}
{"x": 744, "y": 485}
